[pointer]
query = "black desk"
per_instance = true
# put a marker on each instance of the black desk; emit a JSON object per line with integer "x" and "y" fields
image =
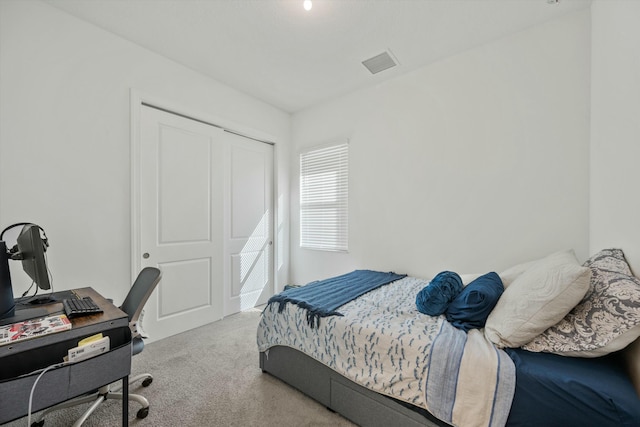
{"x": 19, "y": 360}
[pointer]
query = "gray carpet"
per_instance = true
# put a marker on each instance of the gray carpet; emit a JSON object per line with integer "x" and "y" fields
{"x": 208, "y": 376}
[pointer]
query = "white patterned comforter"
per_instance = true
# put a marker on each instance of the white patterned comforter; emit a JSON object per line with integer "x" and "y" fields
{"x": 386, "y": 345}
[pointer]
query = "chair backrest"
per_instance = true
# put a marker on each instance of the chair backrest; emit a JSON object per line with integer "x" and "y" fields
{"x": 139, "y": 294}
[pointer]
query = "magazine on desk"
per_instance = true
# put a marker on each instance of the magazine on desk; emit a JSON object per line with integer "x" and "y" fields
{"x": 33, "y": 328}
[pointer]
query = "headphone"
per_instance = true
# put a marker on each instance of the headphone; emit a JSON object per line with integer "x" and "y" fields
{"x": 14, "y": 249}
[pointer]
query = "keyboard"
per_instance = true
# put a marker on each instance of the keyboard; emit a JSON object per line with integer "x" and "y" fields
{"x": 75, "y": 307}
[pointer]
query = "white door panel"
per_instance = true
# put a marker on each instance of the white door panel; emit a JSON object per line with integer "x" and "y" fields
{"x": 181, "y": 186}
{"x": 184, "y": 192}
{"x": 173, "y": 301}
{"x": 248, "y": 248}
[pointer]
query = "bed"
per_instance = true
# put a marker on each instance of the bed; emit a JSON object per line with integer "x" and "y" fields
{"x": 378, "y": 359}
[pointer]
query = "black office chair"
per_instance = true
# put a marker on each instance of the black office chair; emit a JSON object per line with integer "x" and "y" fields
{"x": 133, "y": 304}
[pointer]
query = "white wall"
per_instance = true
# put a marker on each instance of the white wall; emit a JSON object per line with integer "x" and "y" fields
{"x": 65, "y": 137}
{"x": 471, "y": 164}
{"x": 615, "y": 128}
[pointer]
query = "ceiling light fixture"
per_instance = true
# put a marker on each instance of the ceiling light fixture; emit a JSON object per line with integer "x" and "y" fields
{"x": 307, "y": 5}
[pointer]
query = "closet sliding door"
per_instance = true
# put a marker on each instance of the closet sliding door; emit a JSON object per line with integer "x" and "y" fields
{"x": 249, "y": 232}
{"x": 204, "y": 204}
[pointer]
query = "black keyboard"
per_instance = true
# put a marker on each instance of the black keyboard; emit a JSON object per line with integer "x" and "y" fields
{"x": 75, "y": 307}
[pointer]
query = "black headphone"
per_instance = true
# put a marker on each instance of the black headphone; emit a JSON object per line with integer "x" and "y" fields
{"x": 45, "y": 240}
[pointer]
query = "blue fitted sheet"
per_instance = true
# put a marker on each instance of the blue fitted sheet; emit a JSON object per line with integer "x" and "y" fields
{"x": 560, "y": 391}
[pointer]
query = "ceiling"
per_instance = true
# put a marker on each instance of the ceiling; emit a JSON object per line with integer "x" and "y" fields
{"x": 276, "y": 51}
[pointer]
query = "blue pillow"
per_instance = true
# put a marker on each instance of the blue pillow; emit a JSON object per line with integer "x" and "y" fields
{"x": 434, "y": 298}
{"x": 470, "y": 309}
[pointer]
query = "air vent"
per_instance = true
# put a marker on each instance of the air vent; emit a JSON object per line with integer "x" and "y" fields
{"x": 380, "y": 62}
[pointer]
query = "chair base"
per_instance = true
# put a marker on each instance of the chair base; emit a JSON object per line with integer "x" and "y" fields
{"x": 104, "y": 393}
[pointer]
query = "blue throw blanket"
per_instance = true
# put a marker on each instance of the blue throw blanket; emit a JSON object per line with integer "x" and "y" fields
{"x": 322, "y": 298}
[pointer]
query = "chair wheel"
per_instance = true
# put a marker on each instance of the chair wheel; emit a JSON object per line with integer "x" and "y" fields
{"x": 147, "y": 381}
{"x": 37, "y": 423}
{"x": 142, "y": 413}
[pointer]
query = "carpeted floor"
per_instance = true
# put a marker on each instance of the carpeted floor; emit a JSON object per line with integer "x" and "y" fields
{"x": 208, "y": 376}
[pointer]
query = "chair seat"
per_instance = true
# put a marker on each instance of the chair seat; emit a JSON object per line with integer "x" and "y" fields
{"x": 137, "y": 345}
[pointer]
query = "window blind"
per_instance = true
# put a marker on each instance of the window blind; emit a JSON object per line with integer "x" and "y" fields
{"x": 324, "y": 194}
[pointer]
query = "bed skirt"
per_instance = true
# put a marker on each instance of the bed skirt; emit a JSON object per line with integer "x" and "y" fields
{"x": 354, "y": 402}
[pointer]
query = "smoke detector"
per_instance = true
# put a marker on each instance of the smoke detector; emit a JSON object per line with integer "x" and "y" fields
{"x": 380, "y": 62}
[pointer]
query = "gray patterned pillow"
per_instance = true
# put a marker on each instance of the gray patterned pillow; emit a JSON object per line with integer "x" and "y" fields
{"x": 606, "y": 320}
{"x": 611, "y": 260}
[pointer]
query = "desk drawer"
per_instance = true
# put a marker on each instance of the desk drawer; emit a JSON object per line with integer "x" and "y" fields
{"x": 64, "y": 383}
{"x": 16, "y": 361}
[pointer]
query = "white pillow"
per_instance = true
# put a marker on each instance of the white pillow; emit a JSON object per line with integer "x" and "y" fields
{"x": 537, "y": 299}
{"x": 512, "y": 273}
{"x": 468, "y": 278}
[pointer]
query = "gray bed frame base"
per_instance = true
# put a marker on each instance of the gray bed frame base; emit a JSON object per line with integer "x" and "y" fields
{"x": 354, "y": 402}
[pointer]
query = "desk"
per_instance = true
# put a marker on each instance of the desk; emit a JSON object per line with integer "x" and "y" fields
{"x": 69, "y": 381}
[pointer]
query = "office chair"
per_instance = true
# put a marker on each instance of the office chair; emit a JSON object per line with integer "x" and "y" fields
{"x": 133, "y": 304}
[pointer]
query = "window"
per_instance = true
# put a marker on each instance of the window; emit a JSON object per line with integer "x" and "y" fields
{"x": 324, "y": 191}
